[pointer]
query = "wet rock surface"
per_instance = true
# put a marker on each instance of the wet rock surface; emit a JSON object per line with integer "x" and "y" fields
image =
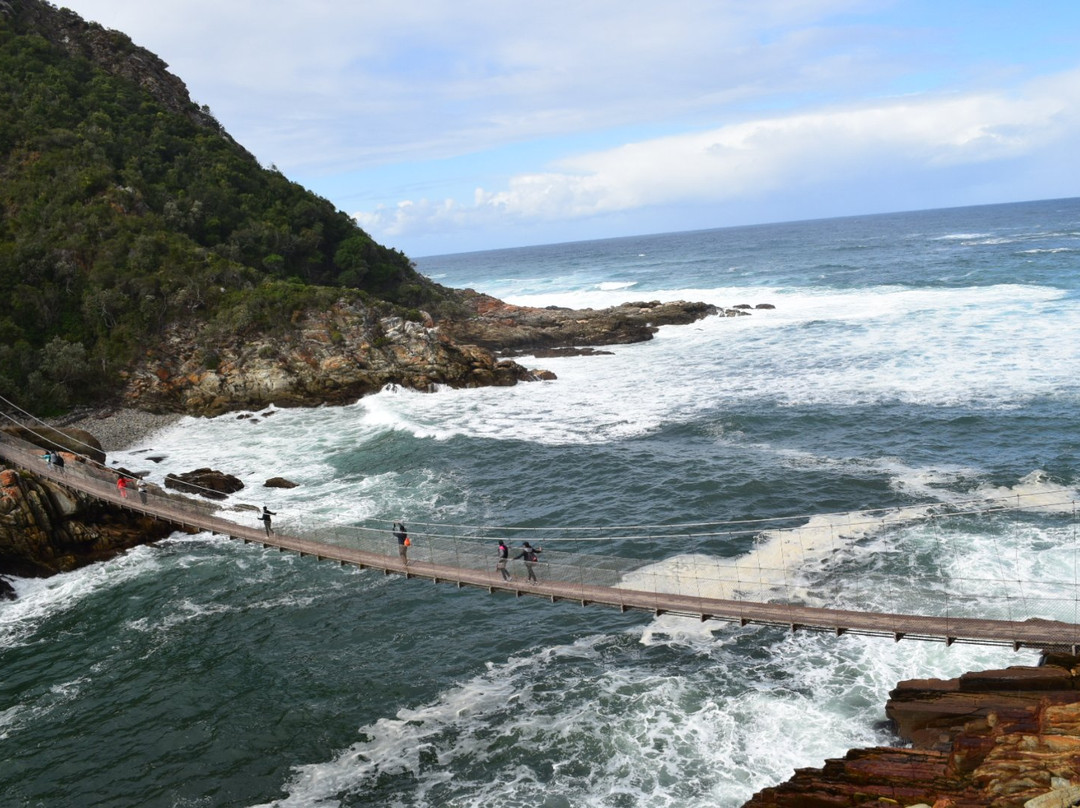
{"x": 999, "y": 739}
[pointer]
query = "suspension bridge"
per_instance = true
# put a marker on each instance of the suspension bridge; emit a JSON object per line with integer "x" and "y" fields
{"x": 1037, "y": 614}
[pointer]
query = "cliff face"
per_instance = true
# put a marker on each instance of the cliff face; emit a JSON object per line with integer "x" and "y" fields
{"x": 326, "y": 357}
{"x": 45, "y": 528}
{"x": 992, "y": 739}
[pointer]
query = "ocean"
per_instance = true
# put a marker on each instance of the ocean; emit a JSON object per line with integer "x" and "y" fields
{"x": 914, "y": 363}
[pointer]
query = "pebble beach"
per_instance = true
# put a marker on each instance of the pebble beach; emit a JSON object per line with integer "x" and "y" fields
{"x": 118, "y": 428}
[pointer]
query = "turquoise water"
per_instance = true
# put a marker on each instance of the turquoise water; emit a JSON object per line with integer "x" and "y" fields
{"x": 917, "y": 358}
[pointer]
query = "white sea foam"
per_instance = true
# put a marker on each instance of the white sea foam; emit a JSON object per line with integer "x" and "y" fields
{"x": 39, "y": 599}
{"x": 788, "y": 564}
{"x": 929, "y": 347}
{"x": 720, "y": 729}
{"x": 777, "y": 566}
{"x": 961, "y": 236}
{"x": 1036, "y": 492}
{"x": 29, "y": 710}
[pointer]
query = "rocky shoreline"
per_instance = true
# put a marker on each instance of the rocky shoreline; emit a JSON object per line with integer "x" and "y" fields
{"x": 996, "y": 739}
{"x": 340, "y": 354}
{"x": 989, "y": 739}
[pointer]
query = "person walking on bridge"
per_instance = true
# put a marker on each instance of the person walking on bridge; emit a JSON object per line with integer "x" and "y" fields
{"x": 402, "y": 536}
{"x": 121, "y": 485}
{"x": 504, "y": 556}
{"x": 265, "y": 516}
{"x": 528, "y": 553}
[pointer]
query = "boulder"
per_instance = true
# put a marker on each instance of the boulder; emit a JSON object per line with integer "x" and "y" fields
{"x": 205, "y": 482}
{"x": 279, "y": 482}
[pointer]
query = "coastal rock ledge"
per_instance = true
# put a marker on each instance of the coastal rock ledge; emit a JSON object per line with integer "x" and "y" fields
{"x": 338, "y": 355}
{"x": 46, "y": 528}
{"x": 324, "y": 357}
{"x": 992, "y": 739}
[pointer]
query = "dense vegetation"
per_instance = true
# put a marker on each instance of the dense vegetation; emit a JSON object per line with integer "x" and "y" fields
{"x": 124, "y": 210}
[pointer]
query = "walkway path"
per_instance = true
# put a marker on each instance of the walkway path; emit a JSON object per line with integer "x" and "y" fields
{"x": 564, "y": 584}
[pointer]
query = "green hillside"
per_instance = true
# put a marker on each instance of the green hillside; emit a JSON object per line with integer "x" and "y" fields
{"x": 125, "y": 207}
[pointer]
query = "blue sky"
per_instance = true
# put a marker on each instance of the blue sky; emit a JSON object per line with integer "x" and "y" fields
{"x": 457, "y": 125}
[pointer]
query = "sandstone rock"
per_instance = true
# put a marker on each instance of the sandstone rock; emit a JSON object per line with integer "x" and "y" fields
{"x": 279, "y": 482}
{"x": 350, "y": 350}
{"x": 1005, "y": 738}
{"x": 333, "y": 356}
{"x": 1058, "y": 798}
{"x": 45, "y": 528}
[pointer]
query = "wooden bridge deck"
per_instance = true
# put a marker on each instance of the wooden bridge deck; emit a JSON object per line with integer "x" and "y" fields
{"x": 193, "y": 515}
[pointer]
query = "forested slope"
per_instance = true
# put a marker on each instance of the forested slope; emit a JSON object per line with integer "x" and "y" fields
{"x": 125, "y": 208}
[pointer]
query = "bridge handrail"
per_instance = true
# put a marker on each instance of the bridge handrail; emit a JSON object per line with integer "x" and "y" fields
{"x": 674, "y": 585}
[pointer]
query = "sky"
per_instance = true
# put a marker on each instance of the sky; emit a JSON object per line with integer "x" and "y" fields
{"x": 448, "y": 126}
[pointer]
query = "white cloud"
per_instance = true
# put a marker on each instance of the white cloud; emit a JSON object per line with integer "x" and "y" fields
{"x": 792, "y": 154}
{"x": 333, "y": 86}
{"x": 772, "y": 108}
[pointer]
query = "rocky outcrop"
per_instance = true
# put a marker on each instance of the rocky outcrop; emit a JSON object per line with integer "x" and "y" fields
{"x": 325, "y": 357}
{"x": 46, "y": 528}
{"x": 510, "y": 329}
{"x": 338, "y": 355}
{"x": 993, "y": 739}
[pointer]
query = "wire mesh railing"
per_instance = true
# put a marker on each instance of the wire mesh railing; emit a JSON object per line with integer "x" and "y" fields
{"x": 784, "y": 576}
